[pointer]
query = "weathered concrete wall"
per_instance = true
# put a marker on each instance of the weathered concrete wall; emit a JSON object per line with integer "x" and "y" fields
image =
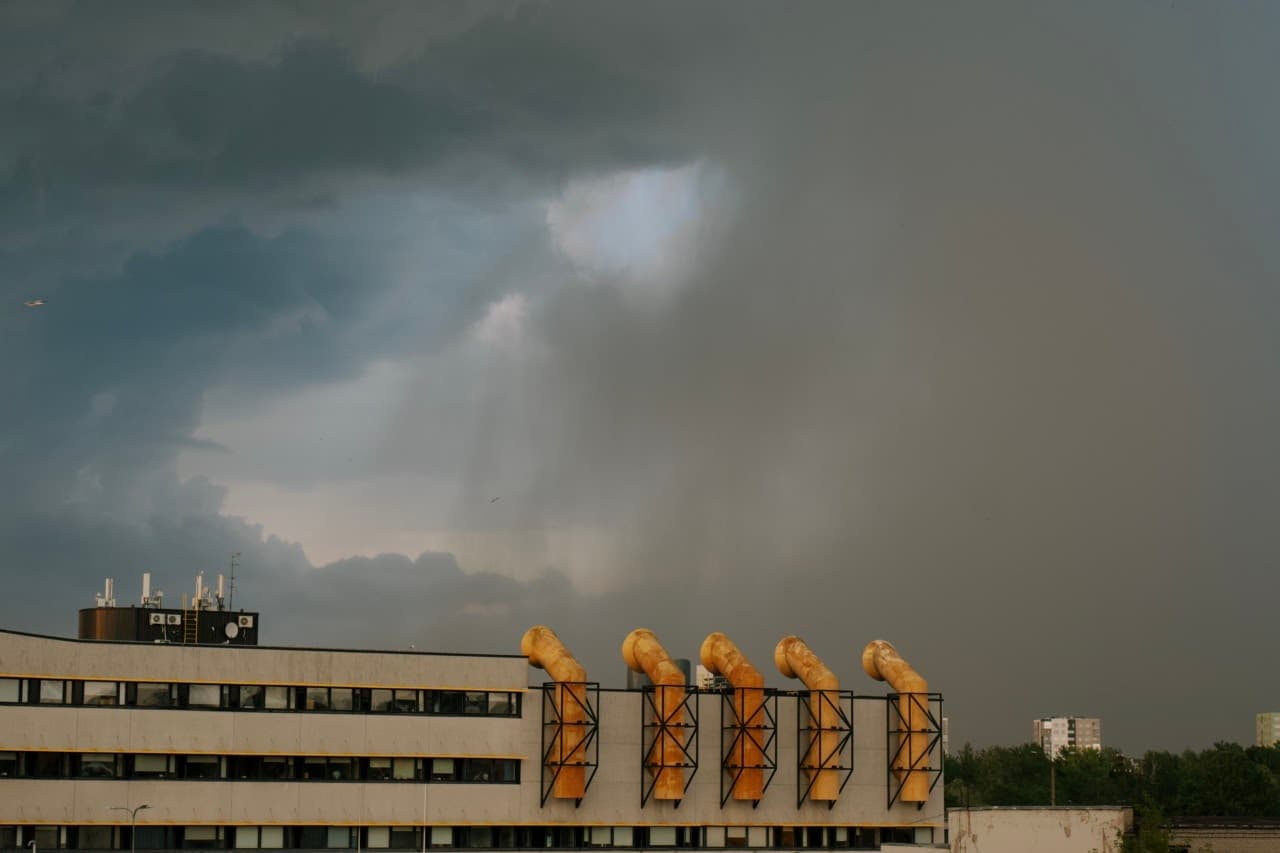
{"x": 1212, "y": 839}
{"x": 1043, "y": 830}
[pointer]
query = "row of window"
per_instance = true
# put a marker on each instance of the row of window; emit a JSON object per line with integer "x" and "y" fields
{"x": 488, "y": 837}
{"x": 262, "y": 768}
{"x": 257, "y": 697}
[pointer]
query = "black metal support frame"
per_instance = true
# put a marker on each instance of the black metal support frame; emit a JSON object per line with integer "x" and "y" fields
{"x": 736, "y": 734}
{"x": 553, "y": 725}
{"x": 808, "y": 740}
{"x": 653, "y": 725}
{"x": 898, "y": 741}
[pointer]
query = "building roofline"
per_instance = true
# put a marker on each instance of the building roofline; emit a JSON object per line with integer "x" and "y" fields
{"x": 265, "y": 648}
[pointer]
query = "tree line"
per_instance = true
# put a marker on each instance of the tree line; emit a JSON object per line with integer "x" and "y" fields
{"x": 1227, "y": 780}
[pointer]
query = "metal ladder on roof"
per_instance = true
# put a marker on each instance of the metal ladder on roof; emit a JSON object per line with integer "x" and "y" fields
{"x": 190, "y": 621}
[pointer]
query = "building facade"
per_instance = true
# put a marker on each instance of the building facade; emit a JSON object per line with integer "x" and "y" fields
{"x": 253, "y": 747}
{"x": 1054, "y": 734}
{"x": 1268, "y": 729}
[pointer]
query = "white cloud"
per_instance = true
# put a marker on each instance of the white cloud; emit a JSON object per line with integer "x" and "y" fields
{"x": 638, "y": 225}
{"x": 502, "y": 325}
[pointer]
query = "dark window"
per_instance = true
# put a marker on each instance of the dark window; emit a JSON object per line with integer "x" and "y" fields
{"x": 477, "y": 770}
{"x": 506, "y": 770}
{"x": 404, "y": 838}
{"x": 150, "y": 837}
{"x": 317, "y": 698}
{"x": 8, "y": 764}
{"x": 313, "y": 768}
{"x": 477, "y": 703}
{"x": 379, "y": 768}
{"x": 47, "y": 838}
{"x": 380, "y": 700}
{"x": 252, "y": 697}
{"x": 8, "y": 838}
{"x": 203, "y": 767}
{"x": 311, "y": 837}
{"x": 98, "y": 765}
{"x": 101, "y": 693}
{"x": 342, "y": 769}
{"x": 95, "y": 838}
{"x": 896, "y": 835}
{"x": 447, "y": 702}
{"x": 245, "y": 766}
{"x": 154, "y": 695}
{"x": 47, "y": 765}
{"x": 277, "y": 767}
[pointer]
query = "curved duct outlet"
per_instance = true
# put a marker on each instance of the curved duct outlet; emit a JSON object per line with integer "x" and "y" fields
{"x": 643, "y": 653}
{"x": 882, "y": 662}
{"x": 746, "y": 761}
{"x": 794, "y": 659}
{"x": 567, "y": 762}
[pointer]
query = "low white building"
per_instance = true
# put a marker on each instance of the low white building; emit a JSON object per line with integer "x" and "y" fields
{"x": 1031, "y": 829}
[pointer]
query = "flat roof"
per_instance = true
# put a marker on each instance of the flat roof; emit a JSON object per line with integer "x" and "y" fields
{"x": 241, "y": 648}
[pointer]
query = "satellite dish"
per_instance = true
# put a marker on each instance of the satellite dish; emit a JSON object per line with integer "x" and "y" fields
{"x": 231, "y": 629}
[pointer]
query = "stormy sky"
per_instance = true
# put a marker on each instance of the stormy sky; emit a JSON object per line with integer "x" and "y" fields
{"x": 950, "y": 324}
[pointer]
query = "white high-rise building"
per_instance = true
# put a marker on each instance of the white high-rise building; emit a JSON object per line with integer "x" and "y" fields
{"x": 1268, "y": 729}
{"x": 1054, "y": 734}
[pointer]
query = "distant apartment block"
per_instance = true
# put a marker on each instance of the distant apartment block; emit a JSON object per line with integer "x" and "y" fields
{"x": 1054, "y": 734}
{"x": 1268, "y": 729}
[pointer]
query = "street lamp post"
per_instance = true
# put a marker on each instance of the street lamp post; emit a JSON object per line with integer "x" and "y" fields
{"x": 133, "y": 822}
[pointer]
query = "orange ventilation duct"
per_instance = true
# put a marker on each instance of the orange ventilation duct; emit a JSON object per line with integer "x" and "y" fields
{"x": 643, "y": 653}
{"x": 567, "y": 762}
{"x": 746, "y": 760}
{"x": 883, "y": 663}
{"x": 796, "y": 660}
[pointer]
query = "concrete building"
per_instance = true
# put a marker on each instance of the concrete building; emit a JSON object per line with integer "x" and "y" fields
{"x": 1043, "y": 829}
{"x": 1268, "y": 729}
{"x": 1054, "y": 734}
{"x": 223, "y": 746}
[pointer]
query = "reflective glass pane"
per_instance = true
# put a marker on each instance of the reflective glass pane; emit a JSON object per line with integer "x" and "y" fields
{"x": 204, "y": 696}
{"x": 100, "y": 693}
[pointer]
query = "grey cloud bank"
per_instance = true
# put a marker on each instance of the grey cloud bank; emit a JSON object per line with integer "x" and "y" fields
{"x": 978, "y": 359}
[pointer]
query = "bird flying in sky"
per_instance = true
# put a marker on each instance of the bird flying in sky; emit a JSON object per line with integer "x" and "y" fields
{"x": 34, "y": 303}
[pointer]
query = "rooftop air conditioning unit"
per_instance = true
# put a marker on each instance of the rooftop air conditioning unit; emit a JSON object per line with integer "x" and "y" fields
{"x": 173, "y": 618}
{"x": 155, "y": 619}
{"x": 245, "y": 621}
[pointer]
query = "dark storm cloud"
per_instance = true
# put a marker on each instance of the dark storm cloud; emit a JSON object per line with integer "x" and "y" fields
{"x": 982, "y": 363}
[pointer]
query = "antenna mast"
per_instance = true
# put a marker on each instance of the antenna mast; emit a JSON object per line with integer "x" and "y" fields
{"x": 231, "y": 587}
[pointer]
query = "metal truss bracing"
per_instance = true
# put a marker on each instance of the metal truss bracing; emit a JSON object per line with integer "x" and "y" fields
{"x": 745, "y": 732}
{"x": 916, "y": 748}
{"x": 822, "y": 745}
{"x": 678, "y": 725}
{"x": 570, "y": 723}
